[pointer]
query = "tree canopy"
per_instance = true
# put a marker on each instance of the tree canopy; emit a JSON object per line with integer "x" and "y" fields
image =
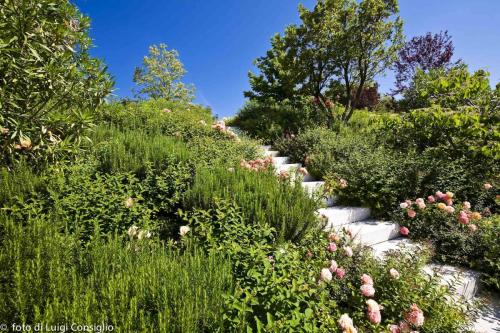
{"x": 160, "y": 75}
{"x": 346, "y": 42}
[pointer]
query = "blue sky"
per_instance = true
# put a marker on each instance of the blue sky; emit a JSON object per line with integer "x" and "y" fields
{"x": 218, "y": 40}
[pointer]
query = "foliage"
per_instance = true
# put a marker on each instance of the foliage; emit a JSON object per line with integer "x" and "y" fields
{"x": 452, "y": 133}
{"x": 338, "y": 41}
{"x": 270, "y": 120}
{"x": 48, "y": 277}
{"x": 264, "y": 198}
{"x": 279, "y": 286}
{"x": 160, "y": 75}
{"x": 488, "y": 263}
{"x": 50, "y": 85}
{"x": 458, "y": 233}
{"x": 422, "y": 52}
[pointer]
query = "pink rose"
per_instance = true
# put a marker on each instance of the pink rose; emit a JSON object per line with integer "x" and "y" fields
{"x": 487, "y": 186}
{"x": 449, "y": 202}
{"x": 404, "y": 327}
{"x": 463, "y": 218}
{"x": 404, "y": 231}
{"x": 348, "y": 251}
{"x": 366, "y": 279}
{"x": 415, "y": 316}
{"x": 411, "y": 213}
{"x": 467, "y": 205}
{"x": 340, "y": 272}
{"x": 394, "y": 274}
{"x": 403, "y": 205}
{"x": 431, "y": 199}
{"x": 333, "y": 266}
{"x": 440, "y": 195}
{"x": 342, "y": 183}
{"x": 332, "y": 247}
{"x": 345, "y": 321}
{"x": 367, "y": 290}
{"x": 375, "y": 317}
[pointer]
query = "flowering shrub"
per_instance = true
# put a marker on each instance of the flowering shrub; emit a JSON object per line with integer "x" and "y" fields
{"x": 322, "y": 283}
{"x": 458, "y": 234}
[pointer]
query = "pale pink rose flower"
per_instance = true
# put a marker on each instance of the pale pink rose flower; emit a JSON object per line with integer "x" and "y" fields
{"x": 439, "y": 195}
{"x": 415, "y": 316}
{"x": 467, "y": 205}
{"x": 367, "y": 290}
{"x": 419, "y": 200}
{"x": 472, "y": 227}
{"x": 374, "y": 317}
{"x": 340, "y": 273}
{"x": 449, "y": 202}
{"x": 394, "y": 274}
{"x": 345, "y": 321}
{"x": 332, "y": 247}
{"x": 411, "y": 213}
{"x": 403, "y": 205}
{"x": 366, "y": 279}
{"x": 342, "y": 183}
{"x": 326, "y": 275}
{"x": 431, "y": 199}
{"x": 348, "y": 251}
{"x": 463, "y": 218}
{"x": 373, "y": 305}
{"x": 421, "y": 205}
{"x": 449, "y": 209}
{"x": 404, "y": 231}
{"x": 394, "y": 329}
{"x": 333, "y": 266}
{"x": 487, "y": 186}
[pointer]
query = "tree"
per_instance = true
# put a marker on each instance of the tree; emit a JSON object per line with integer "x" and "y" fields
{"x": 49, "y": 84}
{"x": 160, "y": 75}
{"x": 338, "y": 41}
{"x": 422, "y": 52}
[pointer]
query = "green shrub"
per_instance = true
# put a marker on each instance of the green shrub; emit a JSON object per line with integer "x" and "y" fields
{"x": 489, "y": 263}
{"x": 50, "y": 85}
{"x": 264, "y": 198}
{"x": 135, "y": 150}
{"x": 458, "y": 234}
{"x": 270, "y": 120}
{"x": 279, "y": 287}
{"x": 49, "y": 278}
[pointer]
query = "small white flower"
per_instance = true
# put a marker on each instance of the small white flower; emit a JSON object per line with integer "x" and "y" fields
{"x": 184, "y": 230}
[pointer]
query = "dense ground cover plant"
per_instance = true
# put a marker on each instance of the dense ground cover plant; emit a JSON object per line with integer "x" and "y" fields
{"x": 50, "y": 84}
{"x": 264, "y": 198}
{"x": 315, "y": 284}
{"x": 135, "y": 286}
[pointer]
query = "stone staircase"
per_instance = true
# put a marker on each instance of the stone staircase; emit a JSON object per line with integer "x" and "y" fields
{"x": 383, "y": 236}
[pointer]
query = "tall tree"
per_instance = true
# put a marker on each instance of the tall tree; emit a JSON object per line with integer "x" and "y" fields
{"x": 161, "y": 74}
{"x": 422, "y": 52}
{"x": 338, "y": 41}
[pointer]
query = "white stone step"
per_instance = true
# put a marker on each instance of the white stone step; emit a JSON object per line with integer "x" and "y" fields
{"x": 266, "y": 148}
{"x": 371, "y": 232}
{"x": 467, "y": 280}
{"x": 277, "y": 161}
{"x": 316, "y": 188}
{"x": 273, "y": 153}
{"x": 338, "y": 216}
{"x": 489, "y": 318}
{"x": 288, "y": 167}
{"x": 380, "y": 249}
{"x": 308, "y": 178}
